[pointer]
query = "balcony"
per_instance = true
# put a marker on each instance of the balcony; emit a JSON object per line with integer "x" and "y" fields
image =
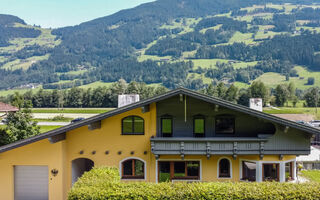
{"x": 207, "y": 146}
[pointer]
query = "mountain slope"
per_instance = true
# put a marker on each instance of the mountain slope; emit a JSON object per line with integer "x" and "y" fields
{"x": 194, "y": 42}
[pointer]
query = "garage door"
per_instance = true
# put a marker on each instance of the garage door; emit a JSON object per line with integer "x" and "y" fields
{"x": 31, "y": 182}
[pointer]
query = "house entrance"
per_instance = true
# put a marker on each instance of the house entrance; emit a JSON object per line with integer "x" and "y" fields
{"x": 79, "y": 166}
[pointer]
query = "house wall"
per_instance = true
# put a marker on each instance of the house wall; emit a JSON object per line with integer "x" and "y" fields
{"x": 39, "y": 153}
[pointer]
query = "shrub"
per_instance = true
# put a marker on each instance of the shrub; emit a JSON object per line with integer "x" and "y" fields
{"x": 310, "y": 81}
{"x": 104, "y": 183}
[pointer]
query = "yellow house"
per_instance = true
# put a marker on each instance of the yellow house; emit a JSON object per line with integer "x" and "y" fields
{"x": 178, "y": 136}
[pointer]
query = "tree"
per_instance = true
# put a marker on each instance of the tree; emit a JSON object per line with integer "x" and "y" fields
{"x": 310, "y": 81}
{"x": 259, "y": 90}
{"x": 19, "y": 125}
{"x": 312, "y": 97}
{"x": 232, "y": 94}
{"x": 282, "y": 94}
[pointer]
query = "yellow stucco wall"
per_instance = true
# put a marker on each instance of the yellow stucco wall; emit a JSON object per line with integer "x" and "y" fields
{"x": 107, "y": 138}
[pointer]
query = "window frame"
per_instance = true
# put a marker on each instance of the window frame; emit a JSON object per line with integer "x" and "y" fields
{"x": 225, "y": 116}
{"x": 131, "y": 177}
{"x": 291, "y": 168}
{"x": 133, "y": 123}
{"x": 278, "y": 171}
{"x": 230, "y": 169}
{"x": 171, "y": 171}
{"x": 204, "y": 126}
{"x": 161, "y": 127}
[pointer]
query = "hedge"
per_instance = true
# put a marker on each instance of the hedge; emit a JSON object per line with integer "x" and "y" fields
{"x": 104, "y": 183}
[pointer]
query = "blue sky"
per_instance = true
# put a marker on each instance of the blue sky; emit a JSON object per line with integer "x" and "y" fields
{"x": 59, "y": 13}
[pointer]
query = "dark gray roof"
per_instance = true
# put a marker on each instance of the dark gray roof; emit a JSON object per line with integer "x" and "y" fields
{"x": 206, "y": 98}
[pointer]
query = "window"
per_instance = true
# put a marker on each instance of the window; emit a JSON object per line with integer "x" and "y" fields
{"x": 289, "y": 171}
{"x": 178, "y": 170}
{"x": 225, "y": 125}
{"x": 224, "y": 168}
{"x": 249, "y": 171}
{"x": 270, "y": 172}
{"x": 133, "y": 125}
{"x": 132, "y": 169}
{"x": 166, "y": 126}
{"x": 199, "y": 126}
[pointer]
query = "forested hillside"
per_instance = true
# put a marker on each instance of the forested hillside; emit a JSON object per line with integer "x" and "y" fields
{"x": 170, "y": 42}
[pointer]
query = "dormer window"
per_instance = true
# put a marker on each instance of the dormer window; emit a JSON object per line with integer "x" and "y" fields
{"x": 132, "y": 125}
{"x": 199, "y": 126}
{"x": 225, "y": 124}
{"x": 166, "y": 126}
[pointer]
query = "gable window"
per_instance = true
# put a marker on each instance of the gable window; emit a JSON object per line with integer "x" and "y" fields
{"x": 225, "y": 124}
{"x": 178, "y": 170}
{"x": 132, "y": 169}
{"x": 224, "y": 168}
{"x": 132, "y": 125}
{"x": 249, "y": 171}
{"x": 199, "y": 126}
{"x": 166, "y": 126}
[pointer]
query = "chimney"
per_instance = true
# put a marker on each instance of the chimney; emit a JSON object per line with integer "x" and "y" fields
{"x": 126, "y": 99}
{"x": 256, "y": 104}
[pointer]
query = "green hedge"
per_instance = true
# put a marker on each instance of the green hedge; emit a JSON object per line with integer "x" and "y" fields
{"x": 104, "y": 183}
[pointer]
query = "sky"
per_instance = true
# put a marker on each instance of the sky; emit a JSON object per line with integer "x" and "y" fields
{"x": 60, "y": 13}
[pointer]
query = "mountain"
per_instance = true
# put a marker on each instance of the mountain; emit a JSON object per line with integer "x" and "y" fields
{"x": 171, "y": 42}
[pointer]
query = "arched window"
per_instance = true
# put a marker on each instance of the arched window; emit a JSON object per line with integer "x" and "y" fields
{"x": 132, "y": 125}
{"x": 132, "y": 169}
{"x": 224, "y": 168}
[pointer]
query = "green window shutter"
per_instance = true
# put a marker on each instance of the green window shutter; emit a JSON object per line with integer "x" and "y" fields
{"x": 199, "y": 126}
{"x": 166, "y": 126}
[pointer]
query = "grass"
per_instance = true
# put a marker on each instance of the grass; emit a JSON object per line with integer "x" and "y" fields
{"x": 241, "y": 85}
{"x": 24, "y": 63}
{"x": 211, "y": 28}
{"x": 207, "y": 63}
{"x": 44, "y": 129}
{"x": 96, "y": 84}
{"x": 21, "y": 91}
{"x": 312, "y": 175}
{"x": 205, "y": 80}
{"x": 241, "y": 37}
{"x": 298, "y": 110}
{"x": 53, "y": 120}
{"x": 72, "y": 110}
{"x": 272, "y": 79}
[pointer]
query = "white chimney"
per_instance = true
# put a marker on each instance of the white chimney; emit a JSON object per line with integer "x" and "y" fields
{"x": 126, "y": 99}
{"x": 256, "y": 104}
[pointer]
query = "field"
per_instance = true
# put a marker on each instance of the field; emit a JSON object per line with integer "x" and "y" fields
{"x": 72, "y": 110}
{"x": 43, "y": 129}
{"x": 299, "y": 110}
{"x": 272, "y": 79}
{"x": 312, "y": 175}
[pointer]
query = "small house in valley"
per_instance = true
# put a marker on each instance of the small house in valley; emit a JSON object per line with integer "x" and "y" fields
{"x": 181, "y": 135}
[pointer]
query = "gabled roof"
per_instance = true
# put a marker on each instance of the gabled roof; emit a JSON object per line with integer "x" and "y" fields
{"x": 7, "y": 108}
{"x": 206, "y": 98}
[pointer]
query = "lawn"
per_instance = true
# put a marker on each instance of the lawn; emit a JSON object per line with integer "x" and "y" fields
{"x": 44, "y": 129}
{"x": 72, "y": 110}
{"x": 312, "y": 175}
{"x": 241, "y": 37}
{"x": 298, "y": 110}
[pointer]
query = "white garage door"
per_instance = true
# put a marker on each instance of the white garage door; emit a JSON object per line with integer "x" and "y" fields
{"x": 31, "y": 182}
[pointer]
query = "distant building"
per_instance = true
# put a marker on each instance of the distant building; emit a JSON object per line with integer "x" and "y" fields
{"x": 311, "y": 161}
{"x": 6, "y": 108}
